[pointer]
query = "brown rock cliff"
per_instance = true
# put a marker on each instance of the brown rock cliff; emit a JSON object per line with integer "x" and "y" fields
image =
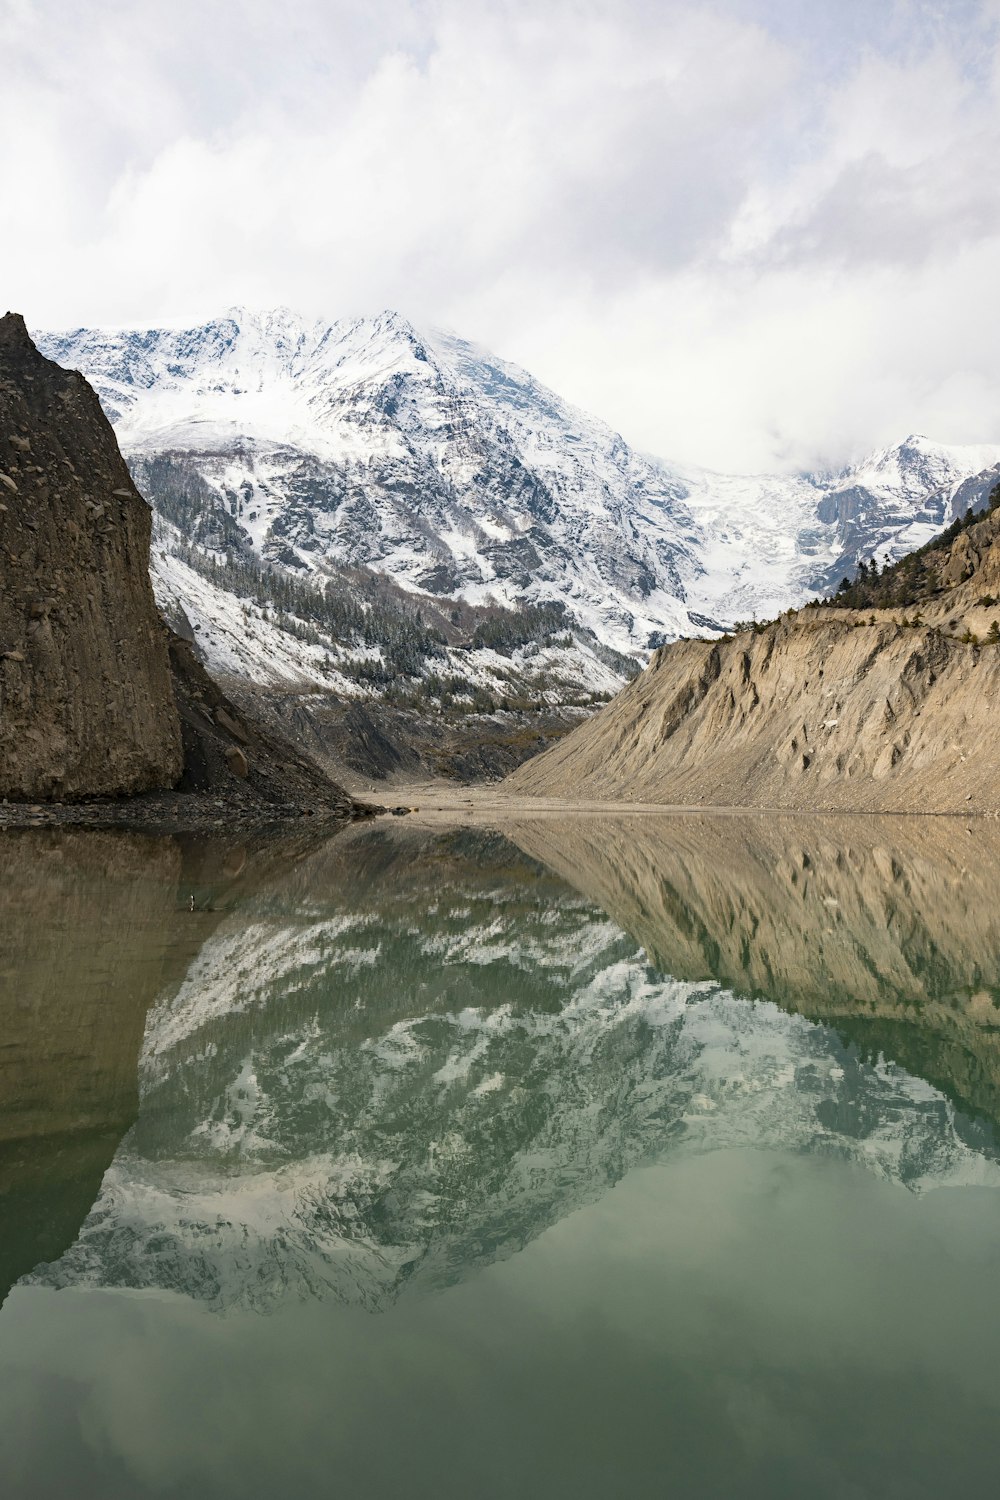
{"x": 86, "y": 705}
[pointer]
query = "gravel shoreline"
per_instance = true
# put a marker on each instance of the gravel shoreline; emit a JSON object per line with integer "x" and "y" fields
{"x": 169, "y": 812}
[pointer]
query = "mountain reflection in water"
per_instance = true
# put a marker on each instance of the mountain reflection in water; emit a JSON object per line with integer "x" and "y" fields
{"x": 375, "y": 1065}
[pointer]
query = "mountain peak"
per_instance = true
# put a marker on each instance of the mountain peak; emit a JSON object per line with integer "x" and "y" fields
{"x": 14, "y": 333}
{"x": 281, "y": 320}
{"x": 394, "y": 325}
{"x": 390, "y": 317}
{"x": 264, "y": 317}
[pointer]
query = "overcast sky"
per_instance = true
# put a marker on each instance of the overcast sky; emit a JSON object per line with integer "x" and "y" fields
{"x": 752, "y": 234}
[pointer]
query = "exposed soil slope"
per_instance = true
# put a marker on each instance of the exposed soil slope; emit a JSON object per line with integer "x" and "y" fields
{"x": 827, "y": 708}
{"x": 86, "y": 706}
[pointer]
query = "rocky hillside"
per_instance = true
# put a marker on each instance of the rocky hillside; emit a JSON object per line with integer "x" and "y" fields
{"x": 86, "y": 705}
{"x": 889, "y": 709}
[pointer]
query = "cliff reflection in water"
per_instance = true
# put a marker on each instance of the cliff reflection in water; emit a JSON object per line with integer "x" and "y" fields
{"x": 404, "y": 1054}
{"x": 888, "y": 928}
{"x": 93, "y": 927}
{"x": 82, "y": 940}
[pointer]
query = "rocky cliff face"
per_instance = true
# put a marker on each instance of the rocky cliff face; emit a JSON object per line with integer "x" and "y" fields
{"x": 86, "y": 706}
{"x": 837, "y": 709}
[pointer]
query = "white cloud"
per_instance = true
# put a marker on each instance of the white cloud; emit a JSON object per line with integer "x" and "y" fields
{"x": 747, "y": 234}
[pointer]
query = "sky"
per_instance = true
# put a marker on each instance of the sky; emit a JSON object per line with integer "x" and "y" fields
{"x": 753, "y": 234}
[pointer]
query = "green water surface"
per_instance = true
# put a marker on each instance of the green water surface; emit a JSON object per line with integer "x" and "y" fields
{"x": 656, "y": 1160}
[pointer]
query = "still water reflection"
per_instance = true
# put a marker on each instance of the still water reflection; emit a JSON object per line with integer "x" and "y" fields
{"x": 633, "y": 1158}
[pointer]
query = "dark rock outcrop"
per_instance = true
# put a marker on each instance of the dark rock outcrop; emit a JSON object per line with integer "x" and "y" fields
{"x": 86, "y": 706}
{"x": 227, "y": 751}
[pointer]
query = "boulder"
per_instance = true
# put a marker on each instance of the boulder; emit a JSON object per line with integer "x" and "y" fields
{"x": 237, "y": 762}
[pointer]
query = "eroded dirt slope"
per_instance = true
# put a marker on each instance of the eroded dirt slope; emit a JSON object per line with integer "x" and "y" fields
{"x": 825, "y": 709}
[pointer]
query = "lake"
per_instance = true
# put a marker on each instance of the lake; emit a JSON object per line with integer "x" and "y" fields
{"x": 594, "y": 1157}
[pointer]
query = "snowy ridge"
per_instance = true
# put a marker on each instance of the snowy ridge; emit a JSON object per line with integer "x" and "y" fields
{"x": 420, "y": 455}
{"x": 367, "y": 443}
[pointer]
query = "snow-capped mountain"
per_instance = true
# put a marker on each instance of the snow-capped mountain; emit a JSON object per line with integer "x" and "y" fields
{"x": 368, "y": 443}
{"x": 354, "y": 1093}
{"x": 420, "y": 456}
{"x": 768, "y": 543}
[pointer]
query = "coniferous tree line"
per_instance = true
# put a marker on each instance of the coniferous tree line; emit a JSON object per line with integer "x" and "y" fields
{"x": 338, "y": 611}
{"x": 335, "y": 611}
{"x": 504, "y": 633}
{"x": 179, "y": 494}
{"x": 910, "y": 580}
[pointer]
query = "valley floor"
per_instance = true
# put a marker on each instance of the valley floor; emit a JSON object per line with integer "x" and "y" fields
{"x": 442, "y": 803}
{"x": 425, "y": 803}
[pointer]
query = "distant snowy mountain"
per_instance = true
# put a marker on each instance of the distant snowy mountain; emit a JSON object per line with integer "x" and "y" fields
{"x": 767, "y": 543}
{"x": 421, "y": 457}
